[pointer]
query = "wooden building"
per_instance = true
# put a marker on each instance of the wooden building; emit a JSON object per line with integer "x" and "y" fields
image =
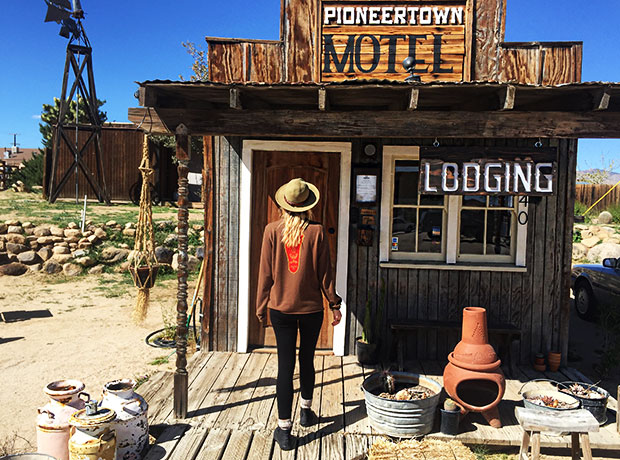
{"x": 121, "y": 144}
{"x": 329, "y": 102}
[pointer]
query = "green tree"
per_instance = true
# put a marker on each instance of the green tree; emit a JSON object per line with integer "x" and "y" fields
{"x": 199, "y": 67}
{"x": 49, "y": 117}
{"x": 31, "y": 172}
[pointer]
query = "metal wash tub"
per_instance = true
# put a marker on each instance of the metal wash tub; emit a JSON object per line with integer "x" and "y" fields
{"x": 401, "y": 418}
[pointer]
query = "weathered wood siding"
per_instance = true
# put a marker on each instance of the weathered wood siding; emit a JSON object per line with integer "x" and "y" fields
{"x": 299, "y": 33}
{"x": 243, "y": 61}
{"x": 541, "y": 63}
{"x": 489, "y": 30}
{"x": 535, "y": 301}
{"x": 223, "y": 320}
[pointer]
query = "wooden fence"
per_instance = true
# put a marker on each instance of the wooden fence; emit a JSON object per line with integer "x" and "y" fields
{"x": 588, "y": 194}
{"x": 5, "y": 175}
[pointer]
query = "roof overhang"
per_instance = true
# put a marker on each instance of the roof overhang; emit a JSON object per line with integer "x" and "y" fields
{"x": 381, "y": 109}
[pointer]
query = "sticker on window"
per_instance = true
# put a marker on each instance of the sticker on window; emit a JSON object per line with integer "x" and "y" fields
{"x": 394, "y": 243}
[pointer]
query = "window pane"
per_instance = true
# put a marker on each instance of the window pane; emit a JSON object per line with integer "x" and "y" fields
{"x": 429, "y": 230}
{"x": 498, "y": 232}
{"x": 406, "y": 177}
{"x": 432, "y": 200}
{"x": 501, "y": 201}
{"x": 403, "y": 230}
{"x": 472, "y": 232}
{"x": 475, "y": 201}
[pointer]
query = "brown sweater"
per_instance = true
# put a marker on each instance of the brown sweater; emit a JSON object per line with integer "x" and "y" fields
{"x": 291, "y": 280}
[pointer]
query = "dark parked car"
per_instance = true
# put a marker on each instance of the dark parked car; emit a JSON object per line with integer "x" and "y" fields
{"x": 596, "y": 284}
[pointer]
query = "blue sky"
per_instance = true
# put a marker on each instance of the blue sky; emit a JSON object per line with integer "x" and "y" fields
{"x": 141, "y": 40}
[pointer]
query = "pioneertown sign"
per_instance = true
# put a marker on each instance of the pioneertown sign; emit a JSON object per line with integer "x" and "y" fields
{"x": 372, "y": 40}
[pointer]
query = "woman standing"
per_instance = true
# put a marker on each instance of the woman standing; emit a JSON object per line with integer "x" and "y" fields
{"x": 295, "y": 272}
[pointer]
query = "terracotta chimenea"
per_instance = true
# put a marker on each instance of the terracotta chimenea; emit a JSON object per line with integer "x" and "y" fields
{"x": 473, "y": 376}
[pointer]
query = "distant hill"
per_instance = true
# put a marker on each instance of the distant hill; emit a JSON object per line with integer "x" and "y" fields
{"x": 612, "y": 179}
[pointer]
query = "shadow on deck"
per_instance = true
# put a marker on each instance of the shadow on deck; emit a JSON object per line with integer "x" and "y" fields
{"x": 232, "y": 411}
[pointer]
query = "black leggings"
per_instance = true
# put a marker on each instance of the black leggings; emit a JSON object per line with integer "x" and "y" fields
{"x": 285, "y": 327}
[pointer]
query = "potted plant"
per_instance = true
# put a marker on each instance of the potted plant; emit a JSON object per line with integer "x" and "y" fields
{"x": 368, "y": 344}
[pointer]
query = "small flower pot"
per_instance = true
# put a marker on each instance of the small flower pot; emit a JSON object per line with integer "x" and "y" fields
{"x": 450, "y": 421}
{"x": 366, "y": 352}
{"x": 553, "y": 360}
{"x": 144, "y": 277}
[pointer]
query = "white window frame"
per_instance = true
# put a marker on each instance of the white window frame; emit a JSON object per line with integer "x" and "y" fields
{"x": 391, "y": 153}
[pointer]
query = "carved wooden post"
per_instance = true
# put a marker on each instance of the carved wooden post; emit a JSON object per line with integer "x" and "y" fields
{"x": 180, "y": 375}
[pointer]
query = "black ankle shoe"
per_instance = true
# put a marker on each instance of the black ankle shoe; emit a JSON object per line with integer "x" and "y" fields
{"x": 283, "y": 438}
{"x": 307, "y": 418}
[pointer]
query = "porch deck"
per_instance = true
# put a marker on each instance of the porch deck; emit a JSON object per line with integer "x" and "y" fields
{"x": 232, "y": 411}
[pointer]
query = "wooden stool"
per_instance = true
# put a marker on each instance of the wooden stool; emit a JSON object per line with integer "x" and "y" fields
{"x": 576, "y": 422}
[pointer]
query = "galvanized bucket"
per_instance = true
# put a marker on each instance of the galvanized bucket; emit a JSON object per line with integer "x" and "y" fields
{"x": 401, "y": 419}
{"x": 571, "y": 401}
{"x": 597, "y": 407}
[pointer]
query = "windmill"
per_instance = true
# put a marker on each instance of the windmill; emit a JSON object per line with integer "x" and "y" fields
{"x": 79, "y": 73}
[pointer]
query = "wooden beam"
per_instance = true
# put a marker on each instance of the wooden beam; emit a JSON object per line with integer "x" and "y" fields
{"x": 414, "y": 97}
{"x": 601, "y": 99}
{"x": 235, "y": 99}
{"x": 507, "y": 98}
{"x": 426, "y": 124}
{"x": 323, "y": 99}
{"x": 147, "y": 97}
{"x": 147, "y": 119}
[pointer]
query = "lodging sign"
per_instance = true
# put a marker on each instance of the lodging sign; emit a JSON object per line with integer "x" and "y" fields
{"x": 368, "y": 40}
{"x": 487, "y": 177}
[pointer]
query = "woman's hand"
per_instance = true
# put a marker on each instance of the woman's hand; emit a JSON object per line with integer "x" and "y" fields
{"x": 337, "y": 317}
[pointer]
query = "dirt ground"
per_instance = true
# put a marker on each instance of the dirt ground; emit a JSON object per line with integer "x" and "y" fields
{"x": 77, "y": 328}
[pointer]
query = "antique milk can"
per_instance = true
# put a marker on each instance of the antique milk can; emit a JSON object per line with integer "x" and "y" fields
{"x": 53, "y": 430}
{"x": 94, "y": 437}
{"x": 131, "y": 424}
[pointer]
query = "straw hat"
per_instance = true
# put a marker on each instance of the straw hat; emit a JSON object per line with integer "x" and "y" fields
{"x": 297, "y": 196}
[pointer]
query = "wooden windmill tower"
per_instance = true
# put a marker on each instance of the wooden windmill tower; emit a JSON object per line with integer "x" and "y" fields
{"x": 79, "y": 81}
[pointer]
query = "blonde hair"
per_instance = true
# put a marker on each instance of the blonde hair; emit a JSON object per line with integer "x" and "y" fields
{"x": 293, "y": 226}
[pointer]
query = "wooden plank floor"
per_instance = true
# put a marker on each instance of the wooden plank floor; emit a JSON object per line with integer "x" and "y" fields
{"x": 232, "y": 411}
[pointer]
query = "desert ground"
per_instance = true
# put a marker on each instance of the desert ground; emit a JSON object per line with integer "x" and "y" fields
{"x": 78, "y": 328}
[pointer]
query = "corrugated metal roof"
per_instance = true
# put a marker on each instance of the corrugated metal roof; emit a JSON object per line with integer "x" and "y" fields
{"x": 370, "y": 82}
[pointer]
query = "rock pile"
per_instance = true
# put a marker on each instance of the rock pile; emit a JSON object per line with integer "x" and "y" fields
{"x": 51, "y": 249}
{"x": 598, "y": 242}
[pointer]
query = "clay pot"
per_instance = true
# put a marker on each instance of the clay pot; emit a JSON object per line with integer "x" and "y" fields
{"x": 473, "y": 377}
{"x": 553, "y": 359}
{"x": 539, "y": 363}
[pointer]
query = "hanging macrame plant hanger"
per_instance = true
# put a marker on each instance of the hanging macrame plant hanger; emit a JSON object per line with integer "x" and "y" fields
{"x": 144, "y": 266}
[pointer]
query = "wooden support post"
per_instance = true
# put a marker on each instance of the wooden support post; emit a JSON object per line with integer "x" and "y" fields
{"x": 414, "y": 96}
{"x": 323, "y": 99}
{"x": 180, "y": 375}
{"x": 601, "y": 100}
{"x": 507, "y": 98}
{"x": 235, "y": 99}
{"x": 536, "y": 445}
{"x": 525, "y": 446}
{"x": 585, "y": 446}
{"x": 618, "y": 410}
{"x": 208, "y": 181}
